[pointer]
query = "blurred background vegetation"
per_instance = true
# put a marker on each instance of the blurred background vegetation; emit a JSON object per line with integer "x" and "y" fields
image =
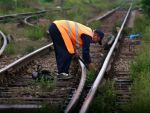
{"x": 79, "y": 10}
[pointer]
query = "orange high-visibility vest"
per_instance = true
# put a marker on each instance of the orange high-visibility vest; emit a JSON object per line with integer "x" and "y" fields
{"x": 71, "y": 33}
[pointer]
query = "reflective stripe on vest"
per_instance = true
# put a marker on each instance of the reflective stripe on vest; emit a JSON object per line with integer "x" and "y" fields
{"x": 77, "y": 37}
{"x": 69, "y": 29}
{"x": 77, "y": 34}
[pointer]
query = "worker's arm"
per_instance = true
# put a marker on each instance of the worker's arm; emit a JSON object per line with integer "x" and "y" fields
{"x": 86, "y": 50}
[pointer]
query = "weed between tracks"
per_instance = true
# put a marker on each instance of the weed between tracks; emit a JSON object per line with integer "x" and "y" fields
{"x": 50, "y": 109}
{"x": 90, "y": 76}
{"x": 10, "y": 49}
{"x": 104, "y": 101}
{"x": 45, "y": 84}
{"x": 35, "y": 33}
{"x": 140, "y": 71}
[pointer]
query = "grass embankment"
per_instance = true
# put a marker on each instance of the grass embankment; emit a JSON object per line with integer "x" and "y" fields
{"x": 140, "y": 71}
{"x": 17, "y": 6}
{"x": 104, "y": 101}
{"x": 82, "y": 10}
{"x": 79, "y": 10}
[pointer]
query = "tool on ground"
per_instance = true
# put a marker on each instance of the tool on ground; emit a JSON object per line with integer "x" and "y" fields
{"x": 134, "y": 36}
{"x": 42, "y": 74}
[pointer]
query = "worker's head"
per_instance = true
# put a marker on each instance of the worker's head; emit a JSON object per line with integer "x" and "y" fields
{"x": 98, "y": 36}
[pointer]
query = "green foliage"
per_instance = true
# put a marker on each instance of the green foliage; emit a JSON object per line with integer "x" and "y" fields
{"x": 29, "y": 49}
{"x": 46, "y": 0}
{"x": 127, "y": 31}
{"x": 35, "y": 33}
{"x": 140, "y": 24}
{"x": 104, "y": 101}
{"x": 95, "y": 24}
{"x": 50, "y": 109}
{"x": 147, "y": 33}
{"x": 90, "y": 76}
{"x": 45, "y": 84}
{"x": 137, "y": 3}
{"x": 146, "y": 6}
{"x": 81, "y": 10}
{"x": 141, "y": 63}
{"x": 10, "y": 49}
{"x": 6, "y": 5}
{"x": 9, "y": 6}
{"x": 139, "y": 102}
{"x": 140, "y": 71}
{"x": 26, "y": 3}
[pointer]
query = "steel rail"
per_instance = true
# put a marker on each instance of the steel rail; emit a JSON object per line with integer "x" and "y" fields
{"x": 24, "y": 58}
{"x": 4, "y": 42}
{"x": 103, "y": 16}
{"x": 99, "y": 78}
{"x": 106, "y": 14}
{"x": 20, "y": 14}
{"x": 75, "y": 97}
{"x": 26, "y": 21}
{"x": 78, "y": 92}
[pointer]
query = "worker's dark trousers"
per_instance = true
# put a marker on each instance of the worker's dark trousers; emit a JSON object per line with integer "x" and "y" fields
{"x": 63, "y": 57}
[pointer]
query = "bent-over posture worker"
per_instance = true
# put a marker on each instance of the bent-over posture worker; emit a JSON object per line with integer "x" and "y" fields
{"x": 68, "y": 37}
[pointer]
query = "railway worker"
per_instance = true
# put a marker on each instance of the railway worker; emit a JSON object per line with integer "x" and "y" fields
{"x": 68, "y": 38}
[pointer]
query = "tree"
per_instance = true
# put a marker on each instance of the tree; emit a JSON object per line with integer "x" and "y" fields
{"x": 146, "y": 6}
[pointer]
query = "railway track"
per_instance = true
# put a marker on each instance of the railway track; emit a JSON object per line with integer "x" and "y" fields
{"x": 121, "y": 72}
{"x": 3, "y": 42}
{"x": 20, "y": 15}
{"x": 85, "y": 104}
{"x": 18, "y": 89}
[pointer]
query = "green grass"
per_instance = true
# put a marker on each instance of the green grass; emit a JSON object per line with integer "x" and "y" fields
{"x": 90, "y": 76}
{"x": 45, "y": 84}
{"x": 10, "y": 49}
{"x": 29, "y": 49}
{"x": 35, "y": 33}
{"x": 82, "y": 10}
{"x": 140, "y": 95}
{"x": 95, "y": 24}
{"x": 140, "y": 71}
{"x": 141, "y": 63}
{"x": 104, "y": 102}
{"x": 50, "y": 109}
{"x": 13, "y": 6}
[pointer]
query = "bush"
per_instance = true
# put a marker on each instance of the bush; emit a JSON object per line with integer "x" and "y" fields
{"x": 146, "y": 6}
{"x": 7, "y": 5}
{"x": 26, "y": 3}
{"x": 35, "y": 33}
{"x": 140, "y": 97}
{"x": 10, "y": 49}
{"x": 95, "y": 24}
{"x": 141, "y": 63}
{"x": 104, "y": 101}
{"x": 140, "y": 71}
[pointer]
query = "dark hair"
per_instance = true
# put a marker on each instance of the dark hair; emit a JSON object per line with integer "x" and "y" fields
{"x": 101, "y": 35}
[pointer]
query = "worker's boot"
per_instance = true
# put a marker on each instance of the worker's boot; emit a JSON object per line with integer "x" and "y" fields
{"x": 63, "y": 76}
